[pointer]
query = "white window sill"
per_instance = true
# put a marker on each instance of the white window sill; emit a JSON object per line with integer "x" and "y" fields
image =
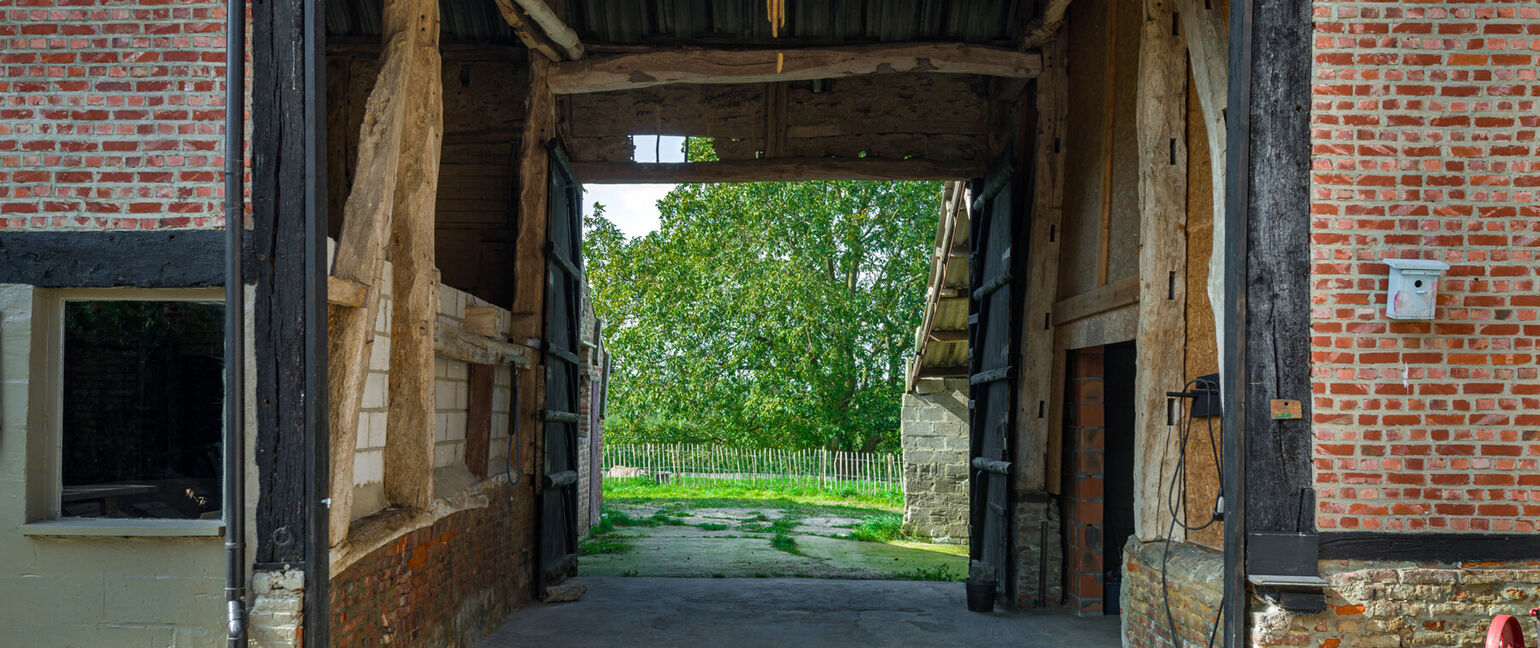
{"x": 108, "y": 527}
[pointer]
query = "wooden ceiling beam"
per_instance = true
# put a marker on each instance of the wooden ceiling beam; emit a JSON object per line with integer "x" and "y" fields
{"x": 721, "y": 66}
{"x": 541, "y": 29}
{"x": 777, "y": 170}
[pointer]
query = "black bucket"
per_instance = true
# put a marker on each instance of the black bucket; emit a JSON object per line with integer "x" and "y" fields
{"x": 981, "y": 595}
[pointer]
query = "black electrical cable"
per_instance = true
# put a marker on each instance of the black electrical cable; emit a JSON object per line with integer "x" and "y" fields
{"x": 1173, "y": 505}
{"x": 513, "y": 439}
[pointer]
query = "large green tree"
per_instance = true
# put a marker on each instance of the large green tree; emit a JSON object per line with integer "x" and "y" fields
{"x": 765, "y": 314}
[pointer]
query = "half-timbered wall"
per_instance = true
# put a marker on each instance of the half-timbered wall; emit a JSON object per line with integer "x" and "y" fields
{"x": 476, "y": 210}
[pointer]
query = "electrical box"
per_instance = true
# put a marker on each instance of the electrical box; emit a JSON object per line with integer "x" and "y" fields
{"x": 1413, "y": 288}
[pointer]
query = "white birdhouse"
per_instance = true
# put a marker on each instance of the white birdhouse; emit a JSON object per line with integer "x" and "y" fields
{"x": 1413, "y": 288}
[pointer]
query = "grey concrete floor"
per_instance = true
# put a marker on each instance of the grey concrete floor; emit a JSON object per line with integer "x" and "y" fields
{"x": 786, "y": 613}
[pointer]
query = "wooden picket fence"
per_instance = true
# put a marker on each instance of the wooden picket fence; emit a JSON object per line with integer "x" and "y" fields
{"x": 863, "y": 472}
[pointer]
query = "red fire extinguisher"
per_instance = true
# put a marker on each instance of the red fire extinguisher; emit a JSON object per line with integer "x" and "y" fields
{"x": 1505, "y": 631}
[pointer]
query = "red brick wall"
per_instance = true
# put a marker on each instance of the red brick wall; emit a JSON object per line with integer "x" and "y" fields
{"x": 1085, "y": 444}
{"x": 1425, "y": 146}
{"x": 449, "y": 584}
{"x": 111, "y": 114}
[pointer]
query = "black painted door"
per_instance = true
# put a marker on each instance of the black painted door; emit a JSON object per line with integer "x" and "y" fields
{"x": 992, "y": 377}
{"x": 559, "y": 496}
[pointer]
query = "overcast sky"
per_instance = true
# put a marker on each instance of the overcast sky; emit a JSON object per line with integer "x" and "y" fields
{"x": 634, "y": 208}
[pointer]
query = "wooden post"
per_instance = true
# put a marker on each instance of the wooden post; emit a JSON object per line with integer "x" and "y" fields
{"x": 529, "y": 247}
{"x": 415, "y": 284}
{"x": 359, "y": 257}
{"x": 1037, "y": 387}
{"x": 1162, "y": 110}
{"x": 1208, "y": 42}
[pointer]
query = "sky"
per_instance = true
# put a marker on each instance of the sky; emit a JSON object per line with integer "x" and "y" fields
{"x": 634, "y": 208}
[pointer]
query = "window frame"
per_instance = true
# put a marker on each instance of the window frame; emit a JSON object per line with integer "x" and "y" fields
{"x": 46, "y": 417}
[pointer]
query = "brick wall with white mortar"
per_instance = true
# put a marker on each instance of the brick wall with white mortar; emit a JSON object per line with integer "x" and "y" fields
{"x": 111, "y": 114}
{"x": 1425, "y": 124}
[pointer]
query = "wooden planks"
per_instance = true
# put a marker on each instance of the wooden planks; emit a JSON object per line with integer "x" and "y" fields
{"x": 1162, "y": 103}
{"x": 714, "y": 66}
{"x": 776, "y": 170}
{"x": 1037, "y": 387}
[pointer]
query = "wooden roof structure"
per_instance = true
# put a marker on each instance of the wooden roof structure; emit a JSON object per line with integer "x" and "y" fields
{"x": 941, "y": 341}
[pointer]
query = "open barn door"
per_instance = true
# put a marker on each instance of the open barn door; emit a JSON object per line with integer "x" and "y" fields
{"x": 992, "y": 305}
{"x": 564, "y": 275}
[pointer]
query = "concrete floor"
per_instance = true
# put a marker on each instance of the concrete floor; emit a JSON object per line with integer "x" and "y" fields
{"x": 786, "y": 613}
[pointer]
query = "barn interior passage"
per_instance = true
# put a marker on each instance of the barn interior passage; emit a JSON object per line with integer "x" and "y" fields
{"x": 1060, "y": 232}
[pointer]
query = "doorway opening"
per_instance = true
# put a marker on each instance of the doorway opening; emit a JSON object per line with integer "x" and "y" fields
{"x": 759, "y": 332}
{"x": 1098, "y": 487}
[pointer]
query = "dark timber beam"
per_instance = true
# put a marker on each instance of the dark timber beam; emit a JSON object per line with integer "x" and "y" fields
{"x": 715, "y": 66}
{"x": 1267, "y": 289}
{"x": 776, "y": 170}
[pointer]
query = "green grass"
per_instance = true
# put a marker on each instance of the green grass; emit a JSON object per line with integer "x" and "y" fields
{"x": 936, "y": 573}
{"x": 609, "y": 544}
{"x": 785, "y": 543}
{"x": 711, "y": 526}
{"x": 879, "y": 528}
{"x": 648, "y": 488}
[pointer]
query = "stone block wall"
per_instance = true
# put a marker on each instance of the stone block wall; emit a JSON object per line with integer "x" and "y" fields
{"x": 1039, "y": 555}
{"x": 934, "y": 438}
{"x": 1391, "y": 604}
{"x": 1085, "y": 448}
{"x": 1194, "y": 587}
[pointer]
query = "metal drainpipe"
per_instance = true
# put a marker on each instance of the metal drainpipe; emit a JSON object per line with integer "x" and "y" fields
{"x": 234, "y": 498}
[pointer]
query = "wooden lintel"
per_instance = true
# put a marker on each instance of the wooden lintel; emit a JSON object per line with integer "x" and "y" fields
{"x": 1112, "y": 296}
{"x": 345, "y": 293}
{"x": 716, "y": 66}
{"x": 455, "y": 344}
{"x": 776, "y": 170}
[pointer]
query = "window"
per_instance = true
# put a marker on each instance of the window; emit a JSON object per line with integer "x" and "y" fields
{"x": 140, "y": 389}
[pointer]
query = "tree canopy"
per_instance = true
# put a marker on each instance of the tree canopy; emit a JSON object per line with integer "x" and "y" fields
{"x": 764, "y": 314}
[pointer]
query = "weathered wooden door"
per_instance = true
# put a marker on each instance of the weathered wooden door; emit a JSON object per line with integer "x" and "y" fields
{"x": 563, "y": 252}
{"x": 992, "y": 377}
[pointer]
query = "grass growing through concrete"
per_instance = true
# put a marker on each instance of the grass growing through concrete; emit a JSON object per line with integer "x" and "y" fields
{"x": 785, "y": 543}
{"x": 936, "y": 573}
